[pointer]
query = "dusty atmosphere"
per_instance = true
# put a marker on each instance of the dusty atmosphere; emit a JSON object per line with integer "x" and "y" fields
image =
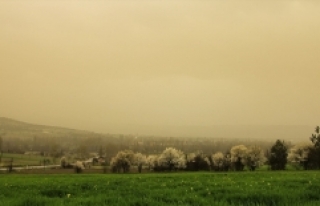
{"x": 124, "y": 66}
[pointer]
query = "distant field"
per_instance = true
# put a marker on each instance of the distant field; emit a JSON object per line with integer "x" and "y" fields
{"x": 242, "y": 188}
{"x": 22, "y": 159}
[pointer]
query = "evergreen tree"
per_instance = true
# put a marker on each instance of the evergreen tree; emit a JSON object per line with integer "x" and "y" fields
{"x": 278, "y": 156}
{"x": 314, "y": 154}
{"x": 315, "y": 138}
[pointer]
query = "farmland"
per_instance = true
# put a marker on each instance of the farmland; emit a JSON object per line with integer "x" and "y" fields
{"x": 200, "y": 188}
{"x": 22, "y": 159}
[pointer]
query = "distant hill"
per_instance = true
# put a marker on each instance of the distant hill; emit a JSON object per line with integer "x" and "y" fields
{"x": 14, "y": 128}
{"x": 21, "y": 137}
{"x": 294, "y": 133}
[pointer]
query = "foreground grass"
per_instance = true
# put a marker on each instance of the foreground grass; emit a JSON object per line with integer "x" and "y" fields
{"x": 243, "y": 188}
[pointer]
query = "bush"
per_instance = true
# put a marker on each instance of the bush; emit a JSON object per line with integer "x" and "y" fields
{"x": 78, "y": 167}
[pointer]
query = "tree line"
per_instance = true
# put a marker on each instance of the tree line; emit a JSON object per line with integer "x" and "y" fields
{"x": 239, "y": 157}
{"x": 160, "y": 154}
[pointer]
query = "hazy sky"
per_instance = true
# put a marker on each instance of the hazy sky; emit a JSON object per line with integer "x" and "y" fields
{"x": 104, "y": 65}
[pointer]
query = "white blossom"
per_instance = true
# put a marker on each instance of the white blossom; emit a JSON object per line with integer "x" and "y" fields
{"x": 172, "y": 157}
{"x": 299, "y": 152}
{"x": 238, "y": 153}
{"x": 218, "y": 159}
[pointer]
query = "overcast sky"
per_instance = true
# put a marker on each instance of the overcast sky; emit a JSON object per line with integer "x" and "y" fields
{"x": 104, "y": 65}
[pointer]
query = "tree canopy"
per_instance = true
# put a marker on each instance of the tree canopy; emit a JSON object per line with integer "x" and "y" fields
{"x": 278, "y": 157}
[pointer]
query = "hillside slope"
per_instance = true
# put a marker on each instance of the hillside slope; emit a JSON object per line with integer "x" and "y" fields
{"x": 295, "y": 133}
{"x": 14, "y": 128}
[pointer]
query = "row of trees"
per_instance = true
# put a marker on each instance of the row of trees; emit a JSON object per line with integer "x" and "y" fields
{"x": 305, "y": 155}
{"x": 174, "y": 159}
{"x": 83, "y": 145}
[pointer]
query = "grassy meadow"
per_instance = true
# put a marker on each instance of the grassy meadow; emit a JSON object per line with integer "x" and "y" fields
{"x": 199, "y": 188}
{"x": 23, "y": 159}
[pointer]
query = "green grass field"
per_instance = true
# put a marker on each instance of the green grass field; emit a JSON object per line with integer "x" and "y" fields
{"x": 242, "y": 188}
{"x": 22, "y": 159}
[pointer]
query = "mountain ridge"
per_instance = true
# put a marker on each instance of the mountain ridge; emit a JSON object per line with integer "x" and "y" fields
{"x": 272, "y": 132}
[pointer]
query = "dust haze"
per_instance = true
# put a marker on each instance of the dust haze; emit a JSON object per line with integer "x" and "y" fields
{"x": 170, "y": 66}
